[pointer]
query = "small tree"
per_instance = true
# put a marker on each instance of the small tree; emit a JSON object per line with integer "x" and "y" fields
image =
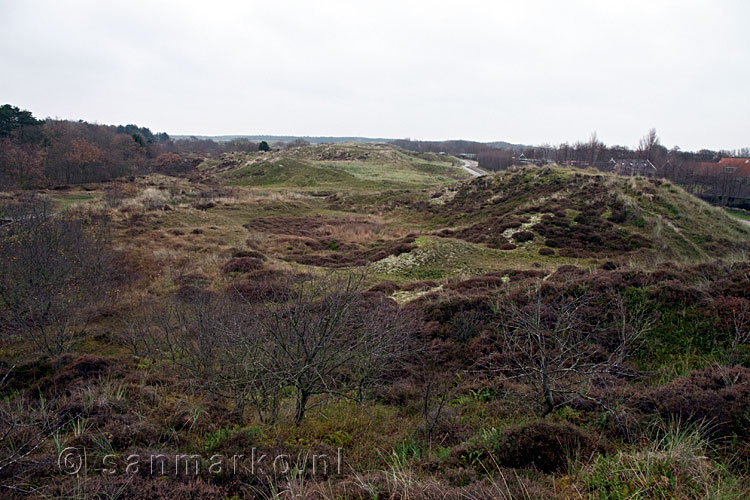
{"x": 55, "y": 270}
{"x": 207, "y": 338}
{"x": 327, "y": 338}
{"x": 555, "y": 341}
{"x": 320, "y": 335}
{"x": 263, "y": 146}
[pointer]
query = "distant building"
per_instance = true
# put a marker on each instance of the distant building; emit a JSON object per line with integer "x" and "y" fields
{"x": 726, "y": 167}
{"x": 737, "y": 166}
{"x": 726, "y": 182}
{"x": 531, "y": 161}
{"x": 633, "y": 166}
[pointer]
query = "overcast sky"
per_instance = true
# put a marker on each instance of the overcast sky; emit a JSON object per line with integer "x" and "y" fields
{"x": 521, "y": 71}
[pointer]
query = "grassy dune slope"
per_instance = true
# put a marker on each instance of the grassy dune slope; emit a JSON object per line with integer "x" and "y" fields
{"x": 356, "y": 167}
{"x": 580, "y": 213}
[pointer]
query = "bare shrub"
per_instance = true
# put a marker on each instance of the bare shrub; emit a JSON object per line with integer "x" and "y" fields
{"x": 56, "y": 269}
{"x": 326, "y": 338}
{"x": 309, "y": 335}
{"x": 114, "y": 195}
{"x": 153, "y": 198}
{"x": 733, "y": 314}
{"x": 553, "y": 339}
{"x": 206, "y": 338}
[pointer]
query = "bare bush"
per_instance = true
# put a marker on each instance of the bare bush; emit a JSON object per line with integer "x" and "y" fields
{"x": 55, "y": 268}
{"x": 206, "y": 338}
{"x": 557, "y": 342}
{"x": 321, "y": 336}
{"x": 327, "y": 338}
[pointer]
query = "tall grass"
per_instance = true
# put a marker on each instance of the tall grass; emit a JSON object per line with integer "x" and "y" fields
{"x": 676, "y": 463}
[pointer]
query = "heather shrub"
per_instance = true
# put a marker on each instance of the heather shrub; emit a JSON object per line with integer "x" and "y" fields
{"x": 420, "y": 285}
{"x": 194, "y": 279}
{"x": 523, "y": 236}
{"x": 487, "y": 281}
{"x": 618, "y": 216}
{"x": 192, "y": 293}
{"x": 248, "y": 253}
{"x": 546, "y": 251}
{"x": 263, "y": 290}
{"x": 718, "y": 396}
{"x": 232, "y": 441}
{"x": 242, "y": 265}
{"x": 24, "y": 374}
{"x": 137, "y": 487}
{"x": 544, "y": 445}
{"x": 386, "y": 287}
{"x": 86, "y": 366}
{"x": 204, "y": 205}
{"x": 675, "y": 294}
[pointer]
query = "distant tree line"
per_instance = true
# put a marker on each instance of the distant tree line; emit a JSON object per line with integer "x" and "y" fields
{"x": 692, "y": 170}
{"x": 453, "y": 147}
{"x": 42, "y": 153}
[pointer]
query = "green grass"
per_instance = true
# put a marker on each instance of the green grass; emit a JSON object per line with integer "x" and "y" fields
{"x": 352, "y": 167}
{"x": 740, "y": 214}
{"x": 676, "y": 464}
{"x": 67, "y": 200}
{"x": 437, "y": 258}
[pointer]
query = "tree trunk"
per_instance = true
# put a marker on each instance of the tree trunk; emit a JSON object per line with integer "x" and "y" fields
{"x": 302, "y": 397}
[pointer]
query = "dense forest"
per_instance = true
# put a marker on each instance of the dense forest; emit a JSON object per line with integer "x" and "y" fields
{"x": 42, "y": 153}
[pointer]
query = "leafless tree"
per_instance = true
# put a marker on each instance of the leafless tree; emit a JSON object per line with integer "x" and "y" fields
{"x": 553, "y": 341}
{"x": 435, "y": 385}
{"x": 209, "y": 338}
{"x": 594, "y": 146}
{"x": 55, "y": 269}
{"x": 329, "y": 338}
{"x": 321, "y": 336}
{"x": 647, "y": 144}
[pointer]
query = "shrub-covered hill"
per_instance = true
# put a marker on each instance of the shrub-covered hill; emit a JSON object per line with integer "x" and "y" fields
{"x": 583, "y": 213}
{"x": 340, "y": 166}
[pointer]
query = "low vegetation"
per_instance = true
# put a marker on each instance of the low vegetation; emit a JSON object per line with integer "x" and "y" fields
{"x": 543, "y": 332}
